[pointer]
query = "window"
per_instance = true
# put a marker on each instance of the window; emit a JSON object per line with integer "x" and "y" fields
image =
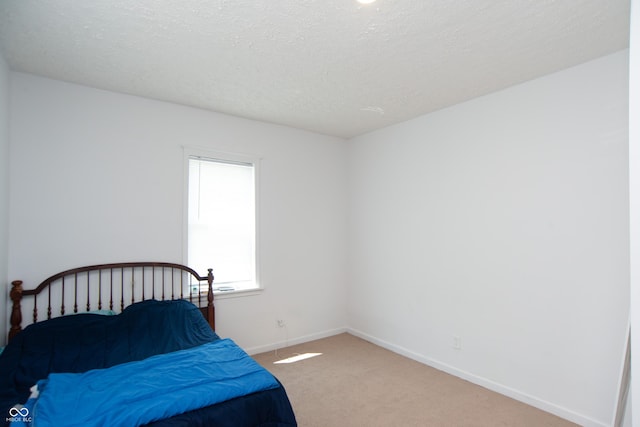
{"x": 221, "y": 225}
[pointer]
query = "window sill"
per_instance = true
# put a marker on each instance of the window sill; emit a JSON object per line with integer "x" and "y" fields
{"x": 218, "y": 295}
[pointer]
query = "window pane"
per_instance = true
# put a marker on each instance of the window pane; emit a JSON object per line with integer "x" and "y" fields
{"x": 221, "y": 225}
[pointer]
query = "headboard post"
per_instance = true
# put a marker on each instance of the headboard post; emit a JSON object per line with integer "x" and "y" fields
{"x": 16, "y": 313}
{"x": 211, "y": 317}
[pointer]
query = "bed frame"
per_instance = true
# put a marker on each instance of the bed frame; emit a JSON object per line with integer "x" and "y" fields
{"x": 112, "y": 287}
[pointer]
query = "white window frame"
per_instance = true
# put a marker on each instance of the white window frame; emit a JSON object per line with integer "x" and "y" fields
{"x": 206, "y": 154}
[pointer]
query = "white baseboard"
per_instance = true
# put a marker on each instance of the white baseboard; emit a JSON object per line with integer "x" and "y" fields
{"x": 295, "y": 341}
{"x": 483, "y": 382}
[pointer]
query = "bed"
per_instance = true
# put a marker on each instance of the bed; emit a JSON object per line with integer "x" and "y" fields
{"x": 130, "y": 344}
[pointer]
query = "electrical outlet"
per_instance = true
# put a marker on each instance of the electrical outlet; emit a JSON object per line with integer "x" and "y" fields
{"x": 456, "y": 342}
{"x": 281, "y": 323}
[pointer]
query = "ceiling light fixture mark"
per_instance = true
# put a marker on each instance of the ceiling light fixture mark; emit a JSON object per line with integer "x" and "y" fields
{"x": 373, "y": 110}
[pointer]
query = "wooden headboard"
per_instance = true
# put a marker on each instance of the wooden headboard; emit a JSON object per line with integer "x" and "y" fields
{"x": 111, "y": 287}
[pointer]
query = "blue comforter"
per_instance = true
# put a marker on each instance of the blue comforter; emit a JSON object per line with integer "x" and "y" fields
{"x": 90, "y": 341}
{"x": 159, "y": 387}
{"x": 83, "y": 342}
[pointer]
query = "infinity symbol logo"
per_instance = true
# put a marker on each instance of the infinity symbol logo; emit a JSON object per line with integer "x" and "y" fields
{"x": 14, "y": 412}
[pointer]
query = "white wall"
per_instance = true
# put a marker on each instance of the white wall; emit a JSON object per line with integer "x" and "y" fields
{"x": 97, "y": 177}
{"x": 502, "y": 221}
{"x": 634, "y": 194}
{"x": 4, "y": 196}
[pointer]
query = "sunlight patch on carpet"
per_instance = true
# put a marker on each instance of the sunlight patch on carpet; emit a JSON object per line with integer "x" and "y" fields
{"x": 297, "y": 358}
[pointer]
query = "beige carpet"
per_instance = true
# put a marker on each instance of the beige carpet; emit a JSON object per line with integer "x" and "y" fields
{"x": 356, "y": 383}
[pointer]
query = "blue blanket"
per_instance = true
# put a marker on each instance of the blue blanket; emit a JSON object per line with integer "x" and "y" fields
{"x": 135, "y": 393}
{"x": 74, "y": 344}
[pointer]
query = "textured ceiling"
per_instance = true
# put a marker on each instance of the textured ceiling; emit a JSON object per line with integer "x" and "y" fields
{"x": 330, "y": 66}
